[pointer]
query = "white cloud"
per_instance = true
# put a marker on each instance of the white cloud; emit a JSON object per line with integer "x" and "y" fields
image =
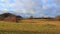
{"x": 44, "y": 1}
{"x": 29, "y": 6}
{"x": 3, "y": 11}
{"x": 24, "y": 11}
{"x": 12, "y": 5}
{"x": 4, "y": 1}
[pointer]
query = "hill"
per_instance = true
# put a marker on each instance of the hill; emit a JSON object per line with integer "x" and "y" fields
{"x": 9, "y": 17}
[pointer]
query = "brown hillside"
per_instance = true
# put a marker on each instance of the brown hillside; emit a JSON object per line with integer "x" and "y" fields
{"x": 57, "y": 18}
{"x": 1, "y": 18}
{"x": 10, "y": 17}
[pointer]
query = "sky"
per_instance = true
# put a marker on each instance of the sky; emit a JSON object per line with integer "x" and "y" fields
{"x": 27, "y": 8}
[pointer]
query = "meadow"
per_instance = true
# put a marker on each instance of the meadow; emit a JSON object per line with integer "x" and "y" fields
{"x": 30, "y": 26}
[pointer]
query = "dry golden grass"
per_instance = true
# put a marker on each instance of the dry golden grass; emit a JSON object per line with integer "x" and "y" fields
{"x": 33, "y": 25}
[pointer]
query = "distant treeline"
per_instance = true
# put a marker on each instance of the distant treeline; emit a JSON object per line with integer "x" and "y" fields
{"x": 14, "y": 18}
{"x": 57, "y": 18}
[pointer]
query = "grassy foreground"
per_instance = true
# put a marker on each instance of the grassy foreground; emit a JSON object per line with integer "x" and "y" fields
{"x": 43, "y": 27}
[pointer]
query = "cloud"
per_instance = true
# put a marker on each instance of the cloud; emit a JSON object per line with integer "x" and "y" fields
{"x": 31, "y": 7}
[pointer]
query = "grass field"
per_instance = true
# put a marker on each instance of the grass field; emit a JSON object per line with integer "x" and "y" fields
{"x": 30, "y": 27}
